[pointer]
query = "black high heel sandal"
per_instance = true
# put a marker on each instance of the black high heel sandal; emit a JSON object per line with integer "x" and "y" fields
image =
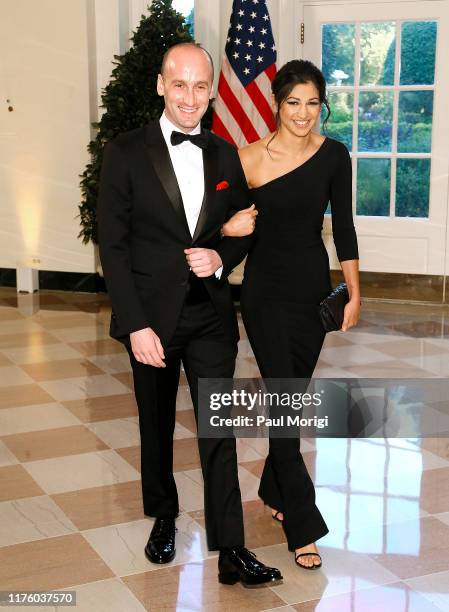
{"x": 276, "y": 516}
{"x": 311, "y": 567}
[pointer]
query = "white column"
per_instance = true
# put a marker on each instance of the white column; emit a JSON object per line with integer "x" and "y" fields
{"x": 207, "y": 29}
{"x": 103, "y": 39}
{"x": 287, "y": 31}
{"x": 110, "y": 24}
{"x": 137, "y": 8}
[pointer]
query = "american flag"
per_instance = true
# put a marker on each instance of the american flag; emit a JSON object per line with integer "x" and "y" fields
{"x": 242, "y": 111}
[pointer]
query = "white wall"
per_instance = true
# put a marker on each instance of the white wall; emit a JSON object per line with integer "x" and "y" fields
{"x": 55, "y": 59}
{"x": 44, "y": 72}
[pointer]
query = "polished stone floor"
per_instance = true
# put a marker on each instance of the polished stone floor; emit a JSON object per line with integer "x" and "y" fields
{"x": 70, "y": 502}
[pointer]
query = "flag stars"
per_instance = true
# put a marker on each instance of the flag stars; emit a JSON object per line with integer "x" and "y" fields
{"x": 249, "y": 47}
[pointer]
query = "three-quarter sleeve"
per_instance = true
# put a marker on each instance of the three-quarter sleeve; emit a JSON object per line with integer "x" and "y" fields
{"x": 345, "y": 238}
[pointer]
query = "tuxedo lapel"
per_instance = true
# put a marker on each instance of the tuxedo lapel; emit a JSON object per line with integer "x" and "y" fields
{"x": 160, "y": 159}
{"x": 210, "y": 162}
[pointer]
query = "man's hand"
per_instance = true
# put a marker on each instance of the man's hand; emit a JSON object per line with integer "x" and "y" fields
{"x": 147, "y": 347}
{"x": 203, "y": 262}
{"x": 242, "y": 223}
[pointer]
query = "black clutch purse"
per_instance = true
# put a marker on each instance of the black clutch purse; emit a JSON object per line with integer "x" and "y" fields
{"x": 333, "y": 306}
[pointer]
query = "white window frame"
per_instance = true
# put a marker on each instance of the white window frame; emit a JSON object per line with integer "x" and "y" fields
{"x": 396, "y": 88}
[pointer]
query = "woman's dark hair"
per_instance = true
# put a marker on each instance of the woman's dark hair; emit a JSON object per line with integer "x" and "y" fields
{"x": 293, "y": 73}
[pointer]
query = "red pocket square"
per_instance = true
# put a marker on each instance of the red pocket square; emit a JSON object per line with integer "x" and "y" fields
{"x": 222, "y": 185}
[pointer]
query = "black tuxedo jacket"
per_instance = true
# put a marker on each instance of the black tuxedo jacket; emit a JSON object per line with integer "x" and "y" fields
{"x": 143, "y": 231}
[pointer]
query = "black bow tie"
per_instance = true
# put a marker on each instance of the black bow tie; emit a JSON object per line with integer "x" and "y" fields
{"x": 200, "y": 140}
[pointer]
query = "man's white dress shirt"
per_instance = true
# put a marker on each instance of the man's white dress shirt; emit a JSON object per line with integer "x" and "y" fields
{"x": 187, "y": 160}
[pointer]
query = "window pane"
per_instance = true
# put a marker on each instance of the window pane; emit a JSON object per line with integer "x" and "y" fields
{"x": 418, "y": 52}
{"x": 338, "y": 53}
{"x": 186, "y": 7}
{"x": 377, "y": 47}
{"x": 375, "y": 121}
{"x": 415, "y": 121}
{"x": 190, "y": 23}
{"x": 373, "y": 187}
{"x": 412, "y": 187}
{"x": 340, "y": 122}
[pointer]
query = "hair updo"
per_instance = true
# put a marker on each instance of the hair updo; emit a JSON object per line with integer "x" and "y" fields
{"x": 294, "y": 73}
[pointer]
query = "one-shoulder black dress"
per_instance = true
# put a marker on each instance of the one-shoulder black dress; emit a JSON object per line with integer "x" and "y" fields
{"x": 286, "y": 276}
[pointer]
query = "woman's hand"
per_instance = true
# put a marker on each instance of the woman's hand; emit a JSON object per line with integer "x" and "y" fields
{"x": 351, "y": 313}
{"x": 241, "y": 224}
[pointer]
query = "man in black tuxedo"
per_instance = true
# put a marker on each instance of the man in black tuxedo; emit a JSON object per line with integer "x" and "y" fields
{"x": 166, "y": 190}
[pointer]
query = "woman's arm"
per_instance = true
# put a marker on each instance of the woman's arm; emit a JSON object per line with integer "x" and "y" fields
{"x": 344, "y": 235}
{"x": 233, "y": 248}
{"x": 241, "y": 224}
{"x": 350, "y": 269}
{"x": 244, "y": 221}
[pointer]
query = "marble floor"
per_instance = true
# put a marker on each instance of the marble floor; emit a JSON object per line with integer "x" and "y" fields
{"x": 70, "y": 502}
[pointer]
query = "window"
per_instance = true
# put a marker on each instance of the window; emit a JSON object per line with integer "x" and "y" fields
{"x": 186, "y": 7}
{"x": 380, "y": 77}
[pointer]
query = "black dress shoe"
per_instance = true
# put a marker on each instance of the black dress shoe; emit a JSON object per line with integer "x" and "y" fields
{"x": 240, "y": 564}
{"x": 160, "y": 547}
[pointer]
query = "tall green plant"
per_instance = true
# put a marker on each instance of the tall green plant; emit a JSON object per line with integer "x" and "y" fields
{"x": 130, "y": 99}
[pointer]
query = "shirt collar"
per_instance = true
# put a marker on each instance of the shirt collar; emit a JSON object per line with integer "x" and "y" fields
{"x": 168, "y": 127}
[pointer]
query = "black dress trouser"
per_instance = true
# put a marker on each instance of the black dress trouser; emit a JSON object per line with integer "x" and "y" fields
{"x": 286, "y": 338}
{"x": 206, "y": 351}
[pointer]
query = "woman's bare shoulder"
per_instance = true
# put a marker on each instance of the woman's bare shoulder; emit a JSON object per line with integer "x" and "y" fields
{"x": 253, "y": 153}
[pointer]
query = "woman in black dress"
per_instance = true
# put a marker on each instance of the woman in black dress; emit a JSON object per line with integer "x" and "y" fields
{"x": 293, "y": 174}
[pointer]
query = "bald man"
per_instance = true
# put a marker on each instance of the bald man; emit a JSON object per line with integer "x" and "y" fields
{"x": 166, "y": 190}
